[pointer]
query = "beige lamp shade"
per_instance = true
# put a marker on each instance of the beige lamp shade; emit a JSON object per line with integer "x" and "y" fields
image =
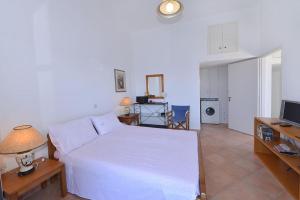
{"x": 21, "y": 139}
{"x": 170, "y": 8}
{"x": 126, "y": 101}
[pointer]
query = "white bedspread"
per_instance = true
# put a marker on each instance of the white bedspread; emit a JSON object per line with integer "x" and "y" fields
{"x": 136, "y": 163}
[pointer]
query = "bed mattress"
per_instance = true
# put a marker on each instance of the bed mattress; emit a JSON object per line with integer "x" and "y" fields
{"x": 136, "y": 163}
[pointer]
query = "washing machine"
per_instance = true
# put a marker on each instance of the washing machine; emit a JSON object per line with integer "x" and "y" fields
{"x": 210, "y": 110}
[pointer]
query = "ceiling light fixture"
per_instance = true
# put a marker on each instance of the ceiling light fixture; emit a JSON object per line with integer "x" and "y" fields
{"x": 170, "y": 8}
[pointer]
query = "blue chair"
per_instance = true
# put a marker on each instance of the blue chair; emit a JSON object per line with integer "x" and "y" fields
{"x": 179, "y": 117}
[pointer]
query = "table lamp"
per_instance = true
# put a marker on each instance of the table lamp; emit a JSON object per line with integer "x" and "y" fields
{"x": 21, "y": 141}
{"x": 127, "y": 102}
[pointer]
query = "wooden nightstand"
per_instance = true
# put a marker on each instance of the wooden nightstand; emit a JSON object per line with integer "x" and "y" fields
{"x": 15, "y": 186}
{"x": 129, "y": 119}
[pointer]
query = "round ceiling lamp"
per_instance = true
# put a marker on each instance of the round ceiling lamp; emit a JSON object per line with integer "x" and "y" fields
{"x": 170, "y": 8}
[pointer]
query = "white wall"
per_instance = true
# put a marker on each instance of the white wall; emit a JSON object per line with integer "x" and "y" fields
{"x": 214, "y": 84}
{"x": 177, "y": 49}
{"x": 56, "y": 62}
{"x": 281, "y": 28}
{"x": 181, "y": 80}
{"x": 276, "y": 90}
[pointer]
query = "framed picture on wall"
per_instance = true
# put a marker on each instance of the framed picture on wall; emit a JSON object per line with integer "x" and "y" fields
{"x": 120, "y": 80}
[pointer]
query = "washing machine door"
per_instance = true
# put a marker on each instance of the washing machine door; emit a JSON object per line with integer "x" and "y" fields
{"x": 210, "y": 111}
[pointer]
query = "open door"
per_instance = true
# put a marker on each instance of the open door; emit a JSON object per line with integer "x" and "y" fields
{"x": 243, "y": 95}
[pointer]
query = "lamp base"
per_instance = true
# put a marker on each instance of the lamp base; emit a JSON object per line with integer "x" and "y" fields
{"x": 26, "y": 172}
{"x": 25, "y": 161}
{"x": 127, "y": 110}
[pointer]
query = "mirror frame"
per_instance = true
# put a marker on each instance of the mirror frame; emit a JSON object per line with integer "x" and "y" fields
{"x": 161, "y": 76}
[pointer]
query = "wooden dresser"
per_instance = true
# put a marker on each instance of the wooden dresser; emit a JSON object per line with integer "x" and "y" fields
{"x": 285, "y": 168}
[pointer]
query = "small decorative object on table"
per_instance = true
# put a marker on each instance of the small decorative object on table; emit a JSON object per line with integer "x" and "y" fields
{"x": 142, "y": 99}
{"x": 285, "y": 149}
{"x": 265, "y": 133}
{"x": 126, "y": 102}
{"x": 21, "y": 141}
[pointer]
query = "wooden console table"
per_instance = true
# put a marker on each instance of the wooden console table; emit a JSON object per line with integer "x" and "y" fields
{"x": 152, "y": 114}
{"x": 285, "y": 168}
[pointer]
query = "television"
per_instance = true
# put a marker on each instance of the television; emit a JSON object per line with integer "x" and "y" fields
{"x": 290, "y": 112}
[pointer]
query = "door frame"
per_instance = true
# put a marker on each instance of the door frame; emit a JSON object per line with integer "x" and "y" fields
{"x": 260, "y": 111}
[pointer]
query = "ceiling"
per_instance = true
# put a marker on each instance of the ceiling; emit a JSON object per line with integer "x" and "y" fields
{"x": 142, "y": 14}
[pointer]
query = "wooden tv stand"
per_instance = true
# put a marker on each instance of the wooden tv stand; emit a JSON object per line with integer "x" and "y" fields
{"x": 285, "y": 168}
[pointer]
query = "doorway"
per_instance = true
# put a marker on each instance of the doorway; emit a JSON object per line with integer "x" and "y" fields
{"x": 229, "y": 93}
{"x": 234, "y": 92}
{"x": 214, "y": 94}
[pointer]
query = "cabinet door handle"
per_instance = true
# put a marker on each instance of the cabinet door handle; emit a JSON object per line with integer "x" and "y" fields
{"x": 225, "y": 47}
{"x": 220, "y": 47}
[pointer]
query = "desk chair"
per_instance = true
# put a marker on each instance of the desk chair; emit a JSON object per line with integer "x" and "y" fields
{"x": 179, "y": 117}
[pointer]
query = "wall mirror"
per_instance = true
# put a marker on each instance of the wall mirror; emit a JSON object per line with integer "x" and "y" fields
{"x": 155, "y": 86}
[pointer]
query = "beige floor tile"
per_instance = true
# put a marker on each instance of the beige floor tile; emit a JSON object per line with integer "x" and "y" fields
{"x": 248, "y": 164}
{"x": 218, "y": 180}
{"x": 235, "y": 171}
{"x": 266, "y": 182}
{"x": 216, "y": 159}
{"x": 242, "y": 191}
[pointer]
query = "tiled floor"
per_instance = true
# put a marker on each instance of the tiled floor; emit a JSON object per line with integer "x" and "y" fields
{"x": 232, "y": 170}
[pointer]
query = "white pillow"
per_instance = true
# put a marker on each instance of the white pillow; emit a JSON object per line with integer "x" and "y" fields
{"x": 106, "y": 123}
{"x": 73, "y": 134}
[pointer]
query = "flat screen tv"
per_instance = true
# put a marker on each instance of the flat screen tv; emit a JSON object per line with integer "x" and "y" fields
{"x": 290, "y": 112}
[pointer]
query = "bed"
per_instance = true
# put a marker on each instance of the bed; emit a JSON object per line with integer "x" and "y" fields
{"x": 136, "y": 163}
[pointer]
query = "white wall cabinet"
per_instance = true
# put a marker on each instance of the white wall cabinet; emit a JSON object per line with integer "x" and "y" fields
{"x": 223, "y": 38}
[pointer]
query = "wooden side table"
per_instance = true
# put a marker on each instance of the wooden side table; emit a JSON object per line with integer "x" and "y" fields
{"x": 129, "y": 119}
{"x": 14, "y": 186}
